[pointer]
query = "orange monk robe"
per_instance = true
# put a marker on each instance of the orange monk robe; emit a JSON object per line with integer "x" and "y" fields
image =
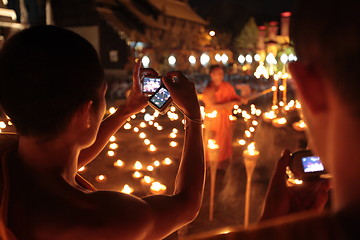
{"x": 220, "y": 128}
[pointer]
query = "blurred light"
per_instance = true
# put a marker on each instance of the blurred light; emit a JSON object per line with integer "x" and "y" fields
{"x": 175, "y": 130}
{"x": 2, "y": 125}
{"x": 249, "y": 58}
{"x": 81, "y": 169}
{"x": 257, "y": 57}
{"x": 111, "y": 153}
{"x": 242, "y": 142}
{"x": 136, "y": 129}
{"x": 145, "y": 61}
{"x": 100, "y": 178}
{"x": 172, "y": 135}
{"x": 127, "y": 126}
{"x": 167, "y": 161}
{"x": 156, "y": 163}
{"x": 137, "y": 165}
{"x": 224, "y": 58}
{"x": 173, "y": 144}
{"x": 112, "y": 110}
{"x": 127, "y": 189}
{"x": 241, "y": 59}
{"x": 150, "y": 168}
{"x": 218, "y": 57}
{"x": 142, "y": 135}
{"x": 192, "y": 59}
{"x": 284, "y": 58}
{"x": 270, "y": 58}
{"x": 147, "y": 141}
{"x": 204, "y": 59}
{"x": 142, "y": 125}
{"x": 147, "y": 117}
{"x": 113, "y": 146}
{"x": 152, "y": 148}
{"x": 291, "y": 57}
{"x": 118, "y": 163}
{"x": 137, "y": 174}
{"x": 212, "y": 33}
{"x": 172, "y": 60}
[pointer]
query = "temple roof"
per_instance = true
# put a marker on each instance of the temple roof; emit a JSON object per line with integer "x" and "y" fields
{"x": 178, "y": 9}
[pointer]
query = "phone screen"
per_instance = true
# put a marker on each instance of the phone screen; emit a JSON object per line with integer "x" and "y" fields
{"x": 151, "y": 84}
{"x": 312, "y": 164}
{"x": 161, "y": 97}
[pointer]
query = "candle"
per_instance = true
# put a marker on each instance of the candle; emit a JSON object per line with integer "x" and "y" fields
{"x": 167, "y": 161}
{"x": 146, "y": 180}
{"x": 279, "y": 122}
{"x": 250, "y": 157}
{"x": 299, "y": 126}
{"x": 118, "y": 163}
{"x": 173, "y": 144}
{"x": 147, "y": 141}
{"x": 213, "y": 114}
{"x": 268, "y": 116}
{"x": 100, "y": 178}
{"x": 275, "y": 89}
{"x": 251, "y": 153}
{"x": 113, "y": 146}
{"x": 127, "y": 189}
{"x": 137, "y": 174}
{"x": 152, "y": 148}
{"x": 137, "y": 165}
{"x": 157, "y": 188}
{"x": 284, "y": 77}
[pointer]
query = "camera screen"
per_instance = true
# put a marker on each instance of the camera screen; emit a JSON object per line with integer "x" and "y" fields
{"x": 151, "y": 84}
{"x": 160, "y": 98}
{"x": 312, "y": 164}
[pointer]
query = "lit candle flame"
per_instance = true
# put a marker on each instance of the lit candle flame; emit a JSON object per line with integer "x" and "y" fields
{"x": 127, "y": 189}
{"x": 212, "y": 144}
{"x": 137, "y": 165}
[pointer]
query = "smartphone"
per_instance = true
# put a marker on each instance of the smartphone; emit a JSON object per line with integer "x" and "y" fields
{"x": 151, "y": 84}
{"x": 305, "y": 165}
{"x": 160, "y": 100}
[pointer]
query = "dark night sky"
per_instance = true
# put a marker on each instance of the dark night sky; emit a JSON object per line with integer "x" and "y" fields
{"x": 231, "y": 15}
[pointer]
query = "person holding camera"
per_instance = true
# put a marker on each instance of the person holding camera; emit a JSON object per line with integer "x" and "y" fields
{"x": 53, "y": 89}
{"x": 326, "y": 37}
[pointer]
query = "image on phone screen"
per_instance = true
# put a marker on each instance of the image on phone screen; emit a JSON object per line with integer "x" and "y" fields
{"x": 160, "y": 98}
{"x": 151, "y": 84}
{"x": 312, "y": 164}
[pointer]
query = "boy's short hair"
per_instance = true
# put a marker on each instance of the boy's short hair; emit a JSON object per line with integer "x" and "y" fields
{"x": 327, "y": 33}
{"x": 46, "y": 74}
{"x": 215, "y": 66}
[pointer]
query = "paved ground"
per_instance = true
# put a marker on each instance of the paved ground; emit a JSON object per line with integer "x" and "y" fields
{"x": 230, "y": 185}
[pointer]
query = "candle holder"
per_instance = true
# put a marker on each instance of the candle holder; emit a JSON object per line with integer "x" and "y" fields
{"x": 251, "y": 156}
{"x": 213, "y": 154}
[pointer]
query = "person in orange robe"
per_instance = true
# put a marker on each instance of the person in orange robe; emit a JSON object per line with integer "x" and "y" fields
{"x": 220, "y": 96}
